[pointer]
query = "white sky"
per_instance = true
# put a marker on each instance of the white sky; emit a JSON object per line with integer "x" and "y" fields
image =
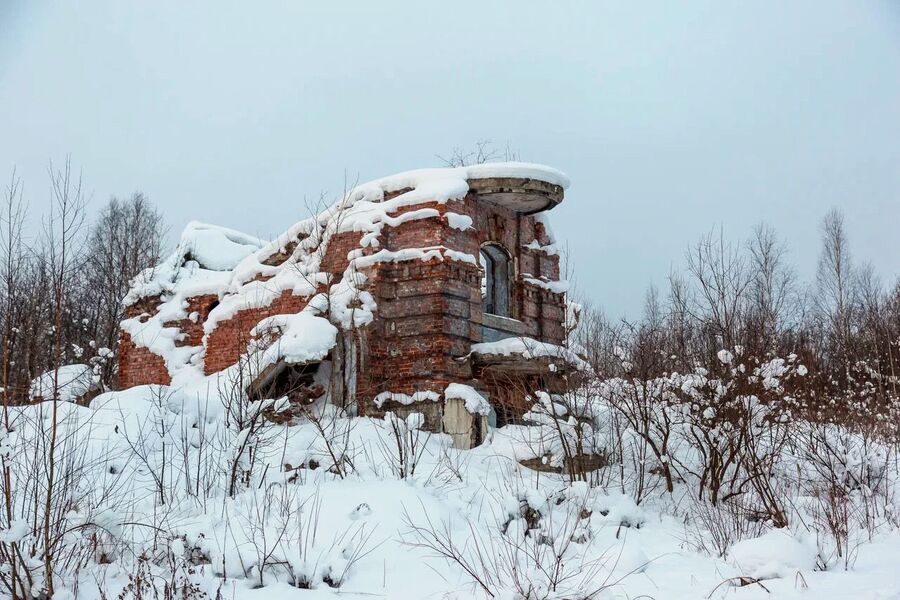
{"x": 670, "y": 118}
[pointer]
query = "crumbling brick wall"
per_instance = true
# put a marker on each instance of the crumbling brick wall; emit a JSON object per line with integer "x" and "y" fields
{"x": 429, "y": 312}
{"x": 139, "y": 366}
{"x": 198, "y": 308}
{"x": 226, "y": 343}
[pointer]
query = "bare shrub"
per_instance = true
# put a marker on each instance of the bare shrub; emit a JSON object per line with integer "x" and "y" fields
{"x": 169, "y": 579}
{"x": 274, "y": 535}
{"x": 851, "y": 482}
{"x": 538, "y": 553}
{"x": 86, "y": 512}
{"x": 402, "y": 445}
{"x": 334, "y": 431}
{"x": 718, "y": 527}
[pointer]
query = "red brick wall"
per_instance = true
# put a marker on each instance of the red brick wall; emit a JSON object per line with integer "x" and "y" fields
{"x": 193, "y": 329}
{"x": 428, "y": 315}
{"x": 230, "y": 338}
{"x": 540, "y": 310}
{"x": 139, "y": 366}
{"x": 339, "y": 246}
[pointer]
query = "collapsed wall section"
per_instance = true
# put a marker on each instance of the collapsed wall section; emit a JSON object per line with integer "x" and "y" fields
{"x": 225, "y": 344}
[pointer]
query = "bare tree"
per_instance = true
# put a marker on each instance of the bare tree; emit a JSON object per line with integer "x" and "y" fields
{"x": 12, "y": 217}
{"x": 61, "y": 236}
{"x": 483, "y": 152}
{"x": 125, "y": 239}
{"x": 718, "y": 304}
{"x": 771, "y": 286}
{"x": 835, "y": 288}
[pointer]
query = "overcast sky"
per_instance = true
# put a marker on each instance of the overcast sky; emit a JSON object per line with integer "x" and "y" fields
{"x": 669, "y": 118}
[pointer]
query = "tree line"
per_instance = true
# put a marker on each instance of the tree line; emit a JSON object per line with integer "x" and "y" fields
{"x": 61, "y": 289}
{"x": 745, "y": 299}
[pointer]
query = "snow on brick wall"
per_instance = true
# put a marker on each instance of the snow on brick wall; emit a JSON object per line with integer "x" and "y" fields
{"x": 419, "y": 258}
{"x": 139, "y": 366}
{"x": 230, "y": 338}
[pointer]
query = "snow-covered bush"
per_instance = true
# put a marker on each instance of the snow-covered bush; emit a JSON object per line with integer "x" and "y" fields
{"x": 644, "y": 436}
{"x": 60, "y": 515}
{"x": 849, "y": 486}
{"x": 68, "y": 383}
{"x": 275, "y": 534}
{"x": 774, "y": 554}
{"x": 336, "y": 450}
{"x": 536, "y": 545}
{"x": 565, "y": 433}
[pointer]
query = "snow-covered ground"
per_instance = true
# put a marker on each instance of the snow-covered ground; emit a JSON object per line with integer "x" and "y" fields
{"x": 174, "y": 487}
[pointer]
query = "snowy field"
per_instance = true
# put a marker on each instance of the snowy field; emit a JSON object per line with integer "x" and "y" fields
{"x": 166, "y": 493}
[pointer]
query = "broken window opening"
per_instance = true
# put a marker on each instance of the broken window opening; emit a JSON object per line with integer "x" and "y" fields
{"x": 495, "y": 280}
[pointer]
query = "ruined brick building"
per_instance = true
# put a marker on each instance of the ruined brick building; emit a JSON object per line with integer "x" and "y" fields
{"x": 436, "y": 291}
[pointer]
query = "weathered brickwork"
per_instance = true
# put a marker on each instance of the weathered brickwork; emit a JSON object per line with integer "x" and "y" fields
{"x": 198, "y": 308}
{"x": 139, "y": 366}
{"x": 229, "y": 340}
{"x": 335, "y": 259}
{"x": 429, "y": 312}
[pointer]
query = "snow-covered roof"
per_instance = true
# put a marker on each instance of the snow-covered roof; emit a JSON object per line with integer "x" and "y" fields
{"x": 433, "y": 185}
{"x": 419, "y": 178}
{"x": 217, "y": 248}
{"x": 203, "y": 253}
{"x": 205, "y": 248}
